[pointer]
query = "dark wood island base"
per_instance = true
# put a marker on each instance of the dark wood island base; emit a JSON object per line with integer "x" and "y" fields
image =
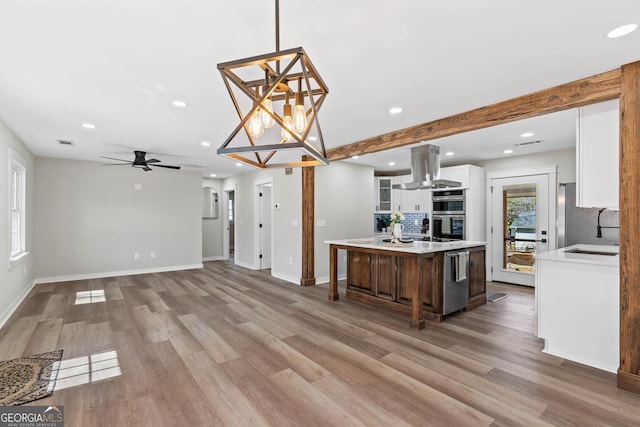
{"x": 406, "y": 281}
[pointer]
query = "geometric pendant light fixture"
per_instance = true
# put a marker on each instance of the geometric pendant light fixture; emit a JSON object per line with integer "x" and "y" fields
{"x": 277, "y": 97}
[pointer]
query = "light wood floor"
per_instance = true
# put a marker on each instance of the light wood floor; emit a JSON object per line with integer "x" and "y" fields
{"x": 229, "y": 346}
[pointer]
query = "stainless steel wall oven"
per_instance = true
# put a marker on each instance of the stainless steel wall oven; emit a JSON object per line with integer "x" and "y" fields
{"x": 448, "y": 227}
{"x": 448, "y": 202}
{"x": 448, "y": 219}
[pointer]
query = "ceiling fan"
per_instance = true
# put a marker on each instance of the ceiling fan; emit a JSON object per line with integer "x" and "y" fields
{"x": 140, "y": 161}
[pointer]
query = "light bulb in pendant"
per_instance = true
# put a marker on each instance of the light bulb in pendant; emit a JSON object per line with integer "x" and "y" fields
{"x": 267, "y": 120}
{"x": 288, "y": 123}
{"x": 299, "y": 114}
{"x": 255, "y": 124}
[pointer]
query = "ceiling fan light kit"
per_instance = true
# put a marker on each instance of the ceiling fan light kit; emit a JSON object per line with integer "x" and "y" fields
{"x": 270, "y": 134}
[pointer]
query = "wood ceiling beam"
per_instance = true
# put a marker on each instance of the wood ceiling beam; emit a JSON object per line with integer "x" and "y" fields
{"x": 601, "y": 87}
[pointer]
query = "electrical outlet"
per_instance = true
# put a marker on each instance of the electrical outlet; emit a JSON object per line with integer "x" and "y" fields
{"x": 290, "y": 261}
{"x": 415, "y": 222}
{"x": 136, "y": 255}
{"x": 137, "y": 187}
{"x": 152, "y": 255}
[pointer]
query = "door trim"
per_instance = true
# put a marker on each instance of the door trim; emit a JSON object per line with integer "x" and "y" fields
{"x": 225, "y": 222}
{"x": 552, "y": 172}
{"x": 258, "y": 183}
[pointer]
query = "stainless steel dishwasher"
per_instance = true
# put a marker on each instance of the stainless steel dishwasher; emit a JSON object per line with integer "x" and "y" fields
{"x": 455, "y": 289}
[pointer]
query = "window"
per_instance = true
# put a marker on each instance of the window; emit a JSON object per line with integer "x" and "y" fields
{"x": 17, "y": 202}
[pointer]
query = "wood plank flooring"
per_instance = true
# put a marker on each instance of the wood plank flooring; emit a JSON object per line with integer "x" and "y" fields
{"x": 228, "y": 346}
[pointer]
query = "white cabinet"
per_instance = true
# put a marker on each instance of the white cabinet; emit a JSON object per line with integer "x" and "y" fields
{"x": 384, "y": 199}
{"x": 597, "y": 151}
{"x": 578, "y": 305}
{"x": 457, "y": 173}
{"x": 414, "y": 200}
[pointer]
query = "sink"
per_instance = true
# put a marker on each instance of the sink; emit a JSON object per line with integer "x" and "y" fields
{"x": 589, "y": 252}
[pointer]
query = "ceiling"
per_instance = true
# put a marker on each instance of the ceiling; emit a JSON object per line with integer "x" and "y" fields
{"x": 119, "y": 65}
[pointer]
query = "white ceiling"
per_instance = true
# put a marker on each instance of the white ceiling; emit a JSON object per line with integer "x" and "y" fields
{"x": 120, "y": 63}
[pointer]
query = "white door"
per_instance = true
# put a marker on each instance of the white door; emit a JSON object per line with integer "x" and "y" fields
{"x": 519, "y": 227}
{"x": 265, "y": 226}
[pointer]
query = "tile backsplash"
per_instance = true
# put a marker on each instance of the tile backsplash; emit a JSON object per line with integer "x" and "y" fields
{"x": 412, "y": 222}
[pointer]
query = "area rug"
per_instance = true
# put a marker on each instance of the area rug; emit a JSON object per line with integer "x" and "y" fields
{"x": 496, "y": 296}
{"x": 28, "y": 378}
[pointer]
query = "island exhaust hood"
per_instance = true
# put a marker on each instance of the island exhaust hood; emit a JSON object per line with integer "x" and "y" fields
{"x": 425, "y": 168}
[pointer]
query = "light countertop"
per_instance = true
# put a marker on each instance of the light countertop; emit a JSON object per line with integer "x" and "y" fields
{"x": 416, "y": 247}
{"x": 563, "y": 255}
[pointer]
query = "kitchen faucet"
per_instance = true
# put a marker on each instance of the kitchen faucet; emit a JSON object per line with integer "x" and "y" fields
{"x": 600, "y": 227}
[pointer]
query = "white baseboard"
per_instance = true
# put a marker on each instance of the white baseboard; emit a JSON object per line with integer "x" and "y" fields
{"x": 326, "y": 279}
{"x": 16, "y": 303}
{"x": 213, "y": 258}
{"x": 294, "y": 280}
{"x": 242, "y": 264}
{"x": 86, "y": 276}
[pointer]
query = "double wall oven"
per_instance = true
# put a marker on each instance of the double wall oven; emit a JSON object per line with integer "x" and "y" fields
{"x": 448, "y": 217}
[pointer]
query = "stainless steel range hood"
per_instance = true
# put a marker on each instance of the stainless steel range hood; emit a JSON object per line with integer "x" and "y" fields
{"x": 425, "y": 168}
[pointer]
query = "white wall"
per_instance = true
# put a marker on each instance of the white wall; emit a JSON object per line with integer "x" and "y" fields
{"x": 16, "y": 282}
{"x": 90, "y": 220}
{"x": 344, "y": 200}
{"x": 564, "y": 159}
{"x": 212, "y": 228}
{"x": 286, "y": 228}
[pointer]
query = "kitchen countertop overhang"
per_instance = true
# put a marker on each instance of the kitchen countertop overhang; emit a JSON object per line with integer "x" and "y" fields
{"x": 565, "y": 255}
{"x": 415, "y": 247}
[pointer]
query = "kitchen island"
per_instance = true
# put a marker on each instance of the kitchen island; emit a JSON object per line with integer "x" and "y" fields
{"x": 408, "y": 277}
{"x": 578, "y": 304}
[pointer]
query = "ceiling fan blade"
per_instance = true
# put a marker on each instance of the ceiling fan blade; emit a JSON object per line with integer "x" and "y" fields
{"x": 116, "y": 164}
{"x": 167, "y": 166}
{"x": 147, "y": 169}
{"x": 153, "y": 161}
{"x": 113, "y": 158}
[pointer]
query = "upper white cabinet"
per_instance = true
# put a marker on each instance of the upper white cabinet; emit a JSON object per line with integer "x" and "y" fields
{"x": 413, "y": 200}
{"x": 457, "y": 173}
{"x": 597, "y": 151}
{"x": 384, "y": 199}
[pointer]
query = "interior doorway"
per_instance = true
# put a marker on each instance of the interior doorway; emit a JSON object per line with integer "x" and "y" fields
{"x": 229, "y": 215}
{"x": 264, "y": 226}
{"x": 521, "y": 214}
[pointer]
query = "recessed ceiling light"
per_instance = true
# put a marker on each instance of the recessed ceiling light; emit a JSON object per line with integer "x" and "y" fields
{"x": 449, "y": 153}
{"x": 508, "y": 151}
{"x": 526, "y": 134}
{"x": 395, "y": 110}
{"x": 88, "y": 126}
{"x": 205, "y": 144}
{"x": 213, "y": 175}
{"x": 239, "y": 164}
{"x": 392, "y": 163}
{"x": 355, "y": 157}
{"x": 622, "y": 31}
{"x": 178, "y": 103}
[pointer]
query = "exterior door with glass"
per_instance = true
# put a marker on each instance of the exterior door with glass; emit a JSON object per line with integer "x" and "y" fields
{"x": 519, "y": 227}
